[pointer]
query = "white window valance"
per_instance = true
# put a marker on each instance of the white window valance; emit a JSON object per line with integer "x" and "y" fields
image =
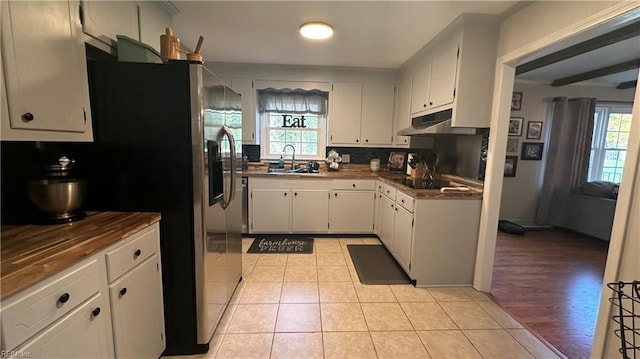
{"x": 292, "y": 101}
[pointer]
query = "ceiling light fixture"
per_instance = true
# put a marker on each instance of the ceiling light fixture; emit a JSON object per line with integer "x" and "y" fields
{"x": 316, "y": 30}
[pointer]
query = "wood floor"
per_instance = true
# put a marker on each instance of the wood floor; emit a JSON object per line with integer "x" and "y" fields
{"x": 551, "y": 282}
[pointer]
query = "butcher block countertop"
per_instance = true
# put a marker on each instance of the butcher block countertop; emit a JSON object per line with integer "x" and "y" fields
{"x": 31, "y": 253}
{"x": 359, "y": 171}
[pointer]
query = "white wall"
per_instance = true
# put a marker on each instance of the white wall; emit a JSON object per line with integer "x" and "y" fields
{"x": 300, "y": 73}
{"x": 519, "y": 193}
{"x": 544, "y": 18}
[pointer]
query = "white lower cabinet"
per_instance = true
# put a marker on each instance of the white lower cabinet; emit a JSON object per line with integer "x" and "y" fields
{"x": 79, "y": 313}
{"x": 83, "y": 333}
{"x": 397, "y": 225}
{"x": 434, "y": 239}
{"x": 311, "y": 205}
{"x": 386, "y": 230}
{"x": 403, "y": 237}
{"x": 136, "y": 300}
{"x": 351, "y": 211}
{"x": 271, "y": 210}
{"x": 310, "y": 211}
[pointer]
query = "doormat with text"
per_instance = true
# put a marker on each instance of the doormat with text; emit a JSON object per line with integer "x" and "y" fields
{"x": 281, "y": 244}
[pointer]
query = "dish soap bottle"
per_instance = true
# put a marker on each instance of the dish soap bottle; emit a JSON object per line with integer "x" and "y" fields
{"x": 281, "y": 162}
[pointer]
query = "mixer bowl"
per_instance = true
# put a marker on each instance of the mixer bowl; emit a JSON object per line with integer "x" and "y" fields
{"x": 58, "y": 198}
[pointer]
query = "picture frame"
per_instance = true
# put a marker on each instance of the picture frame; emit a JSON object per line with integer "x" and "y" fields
{"x": 516, "y": 101}
{"x": 396, "y": 161}
{"x": 512, "y": 145}
{"x": 515, "y": 126}
{"x": 534, "y": 130}
{"x": 532, "y": 151}
{"x": 510, "y": 166}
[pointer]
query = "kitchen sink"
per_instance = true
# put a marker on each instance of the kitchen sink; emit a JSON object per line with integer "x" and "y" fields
{"x": 286, "y": 171}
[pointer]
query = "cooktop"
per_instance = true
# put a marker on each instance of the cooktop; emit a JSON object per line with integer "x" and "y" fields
{"x": 418, "y": 183}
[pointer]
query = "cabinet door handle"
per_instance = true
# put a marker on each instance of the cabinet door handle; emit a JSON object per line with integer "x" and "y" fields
{"x": 285, "y": 194}
{"x": 96, "y": 312}
{"x": 295, "y": 194}
{"x": 137, "y": 253}
{"x": 430, "y": 103}
{"x": 357, "y": 140}
{"x": 27, "y": 117}
{"x": 123, "y": 291}
{"x": 366, "y": 140}
{"x": 64, "y": 298}
{"x": 424, "y": 105}
{"x": 335, "y": 195}
{"x": 354, "y": 185}
{"x": 396, "y": 209}
{"x": 402, "y": 200}
{"x": 391, "y": 206}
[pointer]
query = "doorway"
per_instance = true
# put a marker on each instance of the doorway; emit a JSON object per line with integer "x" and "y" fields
{"x": 495, "y": 167}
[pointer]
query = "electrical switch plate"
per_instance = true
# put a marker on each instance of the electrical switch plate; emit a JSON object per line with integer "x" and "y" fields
{"x": 346, "y": 158}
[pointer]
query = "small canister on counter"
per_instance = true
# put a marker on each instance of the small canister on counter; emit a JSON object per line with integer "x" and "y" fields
{"x": 374, "y": 164}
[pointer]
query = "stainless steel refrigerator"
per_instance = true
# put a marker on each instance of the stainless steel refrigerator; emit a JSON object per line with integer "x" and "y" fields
{"x": 163, "y": 143}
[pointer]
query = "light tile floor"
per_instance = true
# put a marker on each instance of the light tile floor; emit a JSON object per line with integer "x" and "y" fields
{"x": 308, "y": 306}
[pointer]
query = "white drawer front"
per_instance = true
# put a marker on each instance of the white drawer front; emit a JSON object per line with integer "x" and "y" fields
{"x": 405, "y": 201}
{"x": 48, "y": 302}
{"x": 122, "y": 259}
{"x": 389, "y": 191}
{"x": 359, "y": 185}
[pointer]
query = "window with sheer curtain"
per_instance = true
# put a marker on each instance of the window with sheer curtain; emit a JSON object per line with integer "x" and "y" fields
{"x": 295, "y": 117}
{"x": 612, "y": 124}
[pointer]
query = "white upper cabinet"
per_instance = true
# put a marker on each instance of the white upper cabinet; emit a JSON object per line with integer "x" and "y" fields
{"x": 361, "y": 114}
{"x": 106, "y": 19}
{"x": 245, "y": 88}
{"x": 377, "y": 117}
{"x": 442, "y": 86}
{"x": 346, "y": 113}
{"x": 403, "y": 111}
{"x": 434, "y": 83}
{"x": 456, "y": 71}
{"x": 420, "y": 89}
{"x": 45, "y": 70}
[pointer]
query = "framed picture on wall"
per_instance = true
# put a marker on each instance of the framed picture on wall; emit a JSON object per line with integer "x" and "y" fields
{"x": 510, "y": 165}
{"x": 396, "y": 161}
{"x": 534, "y": 130}
{"x": 516, "y": 101}
{"x": 512, "y": 145}
{"x": 515, "y": 126}
{"x": 532, "y": 151}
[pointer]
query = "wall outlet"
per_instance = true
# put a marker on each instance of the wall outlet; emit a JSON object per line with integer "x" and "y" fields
{"x": 346, "y": 158}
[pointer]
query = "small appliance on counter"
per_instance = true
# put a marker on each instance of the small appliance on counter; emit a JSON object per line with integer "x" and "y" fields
{"x": 57, "y": 194}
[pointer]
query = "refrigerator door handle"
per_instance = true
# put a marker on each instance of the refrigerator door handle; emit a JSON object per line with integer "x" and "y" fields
{"x": 225, "y": 131}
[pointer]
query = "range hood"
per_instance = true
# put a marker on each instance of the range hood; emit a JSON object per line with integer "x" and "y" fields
{"x": 438, "y": 123}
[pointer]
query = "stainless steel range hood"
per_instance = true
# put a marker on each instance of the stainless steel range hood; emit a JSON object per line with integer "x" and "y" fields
{"x": 438, "y": 123}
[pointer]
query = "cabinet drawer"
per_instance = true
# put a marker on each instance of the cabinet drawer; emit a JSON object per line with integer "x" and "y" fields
{"x": 354, "y": 184}
{"x": 405, "y": 201}
{"x": 122, "y": 259}
{"x": 83, "y": 333}
{"x": 389, "y": 191}
{"x": 47, "y": 302}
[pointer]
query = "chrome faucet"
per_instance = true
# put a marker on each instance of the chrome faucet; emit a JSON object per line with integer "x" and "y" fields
{"x": 293, "y": 158}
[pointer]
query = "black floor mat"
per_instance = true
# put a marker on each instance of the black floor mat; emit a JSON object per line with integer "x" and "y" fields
{"x": 375, "y": 265}
{"x": 281, "y": 244}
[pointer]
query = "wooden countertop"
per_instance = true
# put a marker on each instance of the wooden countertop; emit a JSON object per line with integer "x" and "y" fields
{"x": 359, "y": 171}
{"x": 31, "y": 253}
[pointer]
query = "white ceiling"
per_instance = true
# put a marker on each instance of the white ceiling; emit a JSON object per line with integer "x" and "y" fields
{"x": 368, "y": 34}
{"x": 371, "y": 34}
